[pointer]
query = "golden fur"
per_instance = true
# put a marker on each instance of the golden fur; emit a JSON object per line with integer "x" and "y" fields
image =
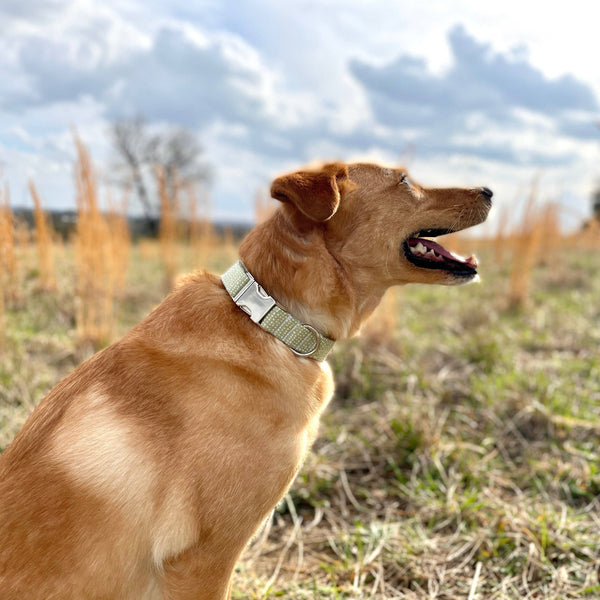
{"x": 144, "y": 473}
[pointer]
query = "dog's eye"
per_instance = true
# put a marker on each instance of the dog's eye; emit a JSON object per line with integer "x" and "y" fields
{"x": 405, "y": 180}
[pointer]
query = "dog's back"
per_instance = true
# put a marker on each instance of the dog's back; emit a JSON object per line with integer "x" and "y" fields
{"x": 121, "y": 456}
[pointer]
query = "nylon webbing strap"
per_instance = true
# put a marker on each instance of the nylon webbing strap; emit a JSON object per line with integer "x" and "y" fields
{"x": 245, "y": 291}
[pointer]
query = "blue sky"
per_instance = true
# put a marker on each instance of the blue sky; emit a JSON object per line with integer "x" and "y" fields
{"x": 463, "y": 92}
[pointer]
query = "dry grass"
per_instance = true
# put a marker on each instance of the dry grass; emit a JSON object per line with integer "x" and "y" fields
{"x": 8, "y": 260}
{"x": 22, "y": 236}
{"x": 202, "y": 237}
{"x": 525, "y": 243}
{"x": 43, "y": 241}
{"x": 120, "y": 244}
{"x": 8, "y": 264}
{"x": 96, "y": 275}
{"x": 501, "y": 236}
{"x": 169, "y": 209}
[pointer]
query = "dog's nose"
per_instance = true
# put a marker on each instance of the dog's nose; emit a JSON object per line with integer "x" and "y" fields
{"x": 487, "y": 192}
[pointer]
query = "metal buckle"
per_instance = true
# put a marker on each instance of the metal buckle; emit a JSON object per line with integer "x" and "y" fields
{"x": 253, "y": 300}
{"x": 314, "y": 348}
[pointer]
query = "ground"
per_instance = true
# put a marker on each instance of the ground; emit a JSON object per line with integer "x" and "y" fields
{"x": 458, "y": 459}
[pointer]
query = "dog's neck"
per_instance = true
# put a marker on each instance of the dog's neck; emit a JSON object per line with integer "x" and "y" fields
{"x": 304, "y": 276}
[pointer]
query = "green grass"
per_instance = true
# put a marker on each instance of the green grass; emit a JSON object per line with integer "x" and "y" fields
{"x": 459, "y": 458}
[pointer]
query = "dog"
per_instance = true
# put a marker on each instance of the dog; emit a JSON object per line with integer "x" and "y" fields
{"x": 146, "y": 471}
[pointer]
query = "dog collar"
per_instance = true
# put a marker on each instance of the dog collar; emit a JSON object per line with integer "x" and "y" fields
{"x": 304, "y": 340}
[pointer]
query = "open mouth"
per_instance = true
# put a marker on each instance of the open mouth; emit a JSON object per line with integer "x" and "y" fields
{"x": 427, "y": 254}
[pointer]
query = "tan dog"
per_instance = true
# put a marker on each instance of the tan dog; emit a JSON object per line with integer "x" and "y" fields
{"x": 145, "y": 472}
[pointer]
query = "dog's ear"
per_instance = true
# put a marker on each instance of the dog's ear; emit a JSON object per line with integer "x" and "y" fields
{"x": 316, "y": 194}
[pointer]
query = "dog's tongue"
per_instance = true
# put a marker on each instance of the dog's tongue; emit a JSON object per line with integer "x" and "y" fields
{"x": 431, "y": 245}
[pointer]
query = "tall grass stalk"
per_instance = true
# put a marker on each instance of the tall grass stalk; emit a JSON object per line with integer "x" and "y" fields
{"x": 2, "y": 319}
{"x": 201, "y": 231}
{"x": 550, "y": 234}
{"x": 194, "y": 227}
{"x": 526, "y": 242}
{"x": 8, "y": 260}
{"x": 95, "y": 266}
{"x": 22, "y": 251}
{"x": 500, "y": 241}
{"x": 4, "y": 234}
{"x": 120, "y": 243}
{"x": 168, "y": 225}
{"x": 43, "y": 241}
{"x": 7, "y": 239}
{"x": 8, "y": 256}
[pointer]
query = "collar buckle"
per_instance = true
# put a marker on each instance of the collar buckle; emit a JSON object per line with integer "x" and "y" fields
{"x": 253, "y": 300}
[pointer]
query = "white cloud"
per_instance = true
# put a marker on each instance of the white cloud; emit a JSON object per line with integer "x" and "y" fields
{"x": 268, "y": 85}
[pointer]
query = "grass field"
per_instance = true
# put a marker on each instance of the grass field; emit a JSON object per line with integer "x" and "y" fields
{"x": 460, "y": 457}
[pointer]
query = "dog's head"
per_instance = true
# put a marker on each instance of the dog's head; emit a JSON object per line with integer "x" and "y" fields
{"x": 378, "y": 220}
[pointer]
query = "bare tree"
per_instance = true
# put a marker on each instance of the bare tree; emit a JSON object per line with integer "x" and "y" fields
{"x": 139, "y": 151}
{"x": 178, "y": 151}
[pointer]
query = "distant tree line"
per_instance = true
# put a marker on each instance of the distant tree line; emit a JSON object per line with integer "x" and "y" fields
{"x": 64, "y": 223}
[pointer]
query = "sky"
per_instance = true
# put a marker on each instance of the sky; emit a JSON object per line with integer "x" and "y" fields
{"x": 461, "y": 92}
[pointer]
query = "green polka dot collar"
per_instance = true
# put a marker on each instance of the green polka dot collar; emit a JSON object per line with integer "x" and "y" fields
{"x": 245, "y": 291}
